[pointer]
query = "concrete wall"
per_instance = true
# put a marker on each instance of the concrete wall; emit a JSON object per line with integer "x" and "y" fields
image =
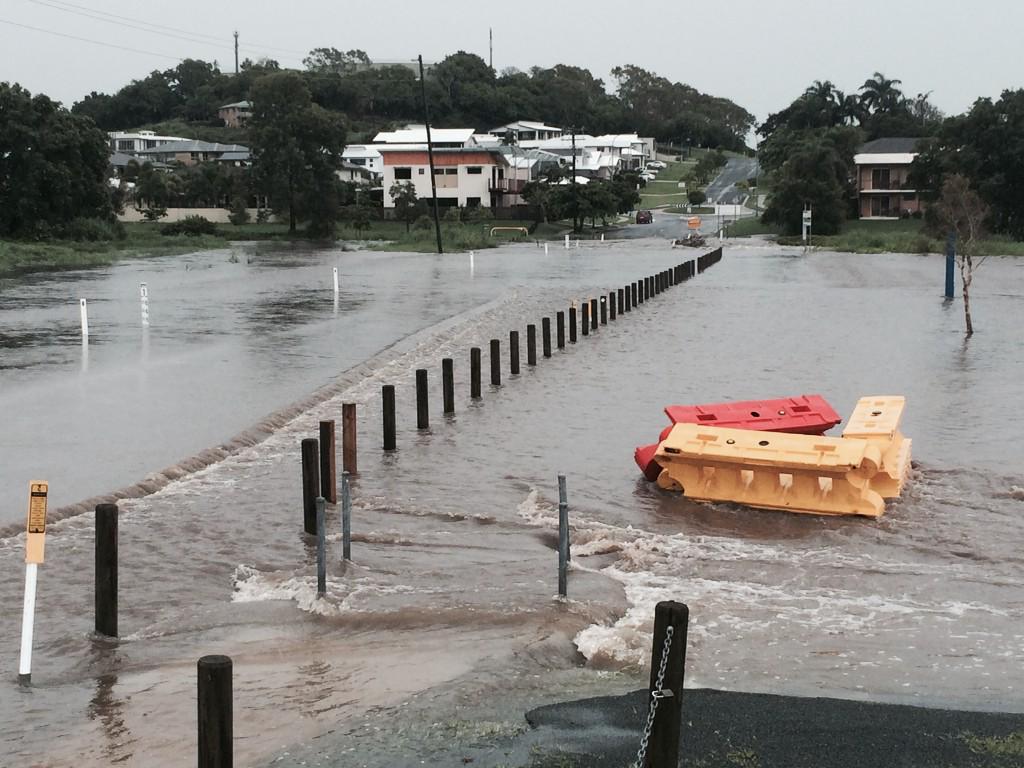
{"x": 218, "y": 215}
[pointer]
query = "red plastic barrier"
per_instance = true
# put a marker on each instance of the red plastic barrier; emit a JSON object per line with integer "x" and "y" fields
{"x": 806, "y": 415}
{"x": 644, "y": 457}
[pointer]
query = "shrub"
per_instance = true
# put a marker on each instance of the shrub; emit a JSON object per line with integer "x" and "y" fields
{"x": 453, "y": 214}
{"x": 696, "y": 197}
{"x": 423, "y": 222}
{"x": 921, "y": 244}
{"x": 192, "y": 226}
{"x": 154, "y": 212}
{"x": 92, "y": 230}
{"x": 239, "y": 212}
{"x": 479, "y": 213}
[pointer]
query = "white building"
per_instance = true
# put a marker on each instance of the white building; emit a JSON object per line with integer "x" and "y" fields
{"x": 464, "y": 176}
{"x": 365, "y": 155}
{"x": 440, "y": 138}
{"x": 133, "y": 143}
{"x": 527, "y": 130}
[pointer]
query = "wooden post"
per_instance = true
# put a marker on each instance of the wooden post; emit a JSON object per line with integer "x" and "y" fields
{"x": 611, "y": 305}
{"x": 633, "y": 292}
{"x": 106, "y": 570}
{"x": 585, "y": 317}
{"x": 422, "y": 400}
{"x": 531, "y": 344}
{"x": 513, "y": 352}
{"x": 545, "y": 336}
{"x": 621, "y": 300}
{"x": 474, "y": 373}
{"x": 346, "y": 518}
{"x": 593, "y": 314}
{"x": 603, "y": 303}
{"x": 560, "y": 329}
{"x": 663, "y": 746}
{"x": 495, "y": 363}
{"x": 448, "y": 384}
{"x": 572, "y": 325}
{"x": 310, "y": 483}
{"x": 328, "y": 476}
{"x": 321, "y": 547}
{"x": 387, "y": 394}
{"x": 216, "y": 749}
{"x": 348, "y": 438}
{"x": 626, "y": 296}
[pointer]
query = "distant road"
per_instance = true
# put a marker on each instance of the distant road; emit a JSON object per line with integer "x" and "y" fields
{"x": 722, "y": 191}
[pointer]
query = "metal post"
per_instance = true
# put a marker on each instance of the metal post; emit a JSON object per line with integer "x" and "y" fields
{"x": 310, "y": 483}
{"x": 448, "y": 384}
{"x": 560, "y": 329}
{"x": 346, "y": 518}
{"x": 513, "y": 352}
{"x": 321, "y": 547}
{"x": 328, "y": 468}
{"x": 215, "y": 715}
{"x": 663, "y": 744}
{"x": 474, "y": 373}
{"x": 545, "y": 335}
{"x": 950, "y": 264}
{"x": 495, "y": 363}
{"x": 387, "y": 394}
{"x": 105, "y": 597}
{"x": 422, "y": 401}
{"x": 348, "y": 437}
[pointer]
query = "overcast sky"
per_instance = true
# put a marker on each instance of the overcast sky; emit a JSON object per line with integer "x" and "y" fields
{"x": 759, "y": 54}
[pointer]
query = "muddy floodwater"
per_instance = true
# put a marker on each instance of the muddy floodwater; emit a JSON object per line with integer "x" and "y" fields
{"x": 445, "y": 626}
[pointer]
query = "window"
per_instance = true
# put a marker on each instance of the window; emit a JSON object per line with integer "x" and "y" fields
{"x": 403, "y": 173}
{"x": 422, "y": 171}
{"x": 125, "y": 145}
{"x": 358, "y": 161}
{"x": 474, "y": 169}
{"x": 880, "y": 178}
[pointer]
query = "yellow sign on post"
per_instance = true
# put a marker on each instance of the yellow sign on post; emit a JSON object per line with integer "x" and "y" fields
{"x": 36, "y": 538}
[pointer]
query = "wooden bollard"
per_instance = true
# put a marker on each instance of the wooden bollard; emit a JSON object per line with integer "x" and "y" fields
{"x": 216, "y": 748}
{"x": 585, "y": 318}
{"x": 513, "y": 352}
{"x": 346, "y": 518}
{"x": 310, "y": 483}
{"x": 611, "y": 305}
{"x": 495, "y": 363}
{"x": 321, "y": 546}
{"x": 663, "y": 744}
{"x": 106, "y": 570}
{"x": 603, "y": 303}
{"x": 348, "y": 438}
{"x": 572, "y": 325}
{"x": 448, "y": 384}
{"x": 625, "y": 296}
{"x": 474, "y": 373}
{"x": 387, "y": 395}
{"x": 328, "y": 469}
{"x": 560, "y": 329}
{"x": 422, "y": 400}
{"x": 531, "y": 344}
{"x": 593, "y": 314}
{"x": 620, "y": 295}
{"x": 633, "y": 291}
{"x": 545, "y": 336}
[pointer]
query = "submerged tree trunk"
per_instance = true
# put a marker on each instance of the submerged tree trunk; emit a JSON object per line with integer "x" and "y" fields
{"x": 966, "y": 276}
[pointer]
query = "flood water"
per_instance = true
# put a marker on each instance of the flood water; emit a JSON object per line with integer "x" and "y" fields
{"x": 445, "y": 625}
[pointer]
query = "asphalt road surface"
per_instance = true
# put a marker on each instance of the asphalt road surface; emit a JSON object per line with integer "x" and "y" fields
{"x": 723, "y": 191}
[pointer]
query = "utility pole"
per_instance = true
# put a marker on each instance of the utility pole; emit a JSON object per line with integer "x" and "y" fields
{"x": 575, "y": 195}
{"x": 236, "y": 51}
{"x": 430, "y": 157}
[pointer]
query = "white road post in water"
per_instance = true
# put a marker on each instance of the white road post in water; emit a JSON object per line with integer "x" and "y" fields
{"x": 545, "y": 249}
{"x": 472, "y": 266}
{"x": 144, "y": 302}
{"x": 84, "y": 308}
{"x": 566, "y": 242}
{"x": 34, "y": 545}
{"x": 337, "y": 287}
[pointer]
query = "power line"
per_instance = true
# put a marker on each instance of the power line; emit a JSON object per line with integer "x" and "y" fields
{"x": 94, "y": 42}
{"x": 114, "y": 18}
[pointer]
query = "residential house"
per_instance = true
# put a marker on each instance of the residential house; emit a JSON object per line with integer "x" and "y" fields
{"x": 192, "y": 152}
{"x": 523, "y": 166}
{"x": 464, "y": 176}
{"x": 526, "y": 130}
{"x": 235, "y": 115}
{"x": 133, "y": 142}
{"x": 884, "y": 190}
{"x": 365, "y": 156}
{"x": 440, "y": 138}
{"x": 354, "y": 172}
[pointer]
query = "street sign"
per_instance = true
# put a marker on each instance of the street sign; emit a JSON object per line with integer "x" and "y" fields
{"x": 36, "y": 527}
{"x": 807, "y": 216}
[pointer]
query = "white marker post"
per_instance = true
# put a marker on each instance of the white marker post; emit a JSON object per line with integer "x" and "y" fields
{"x": 337, "y": 286}
{"x": 144, "y": 303}
{"x": 472, "y": 266}
{"x": 567, "y": 242}
{"x": 34, "y": 545}
{"x": 545, "y": 249}
{"x": 84, "y": 309}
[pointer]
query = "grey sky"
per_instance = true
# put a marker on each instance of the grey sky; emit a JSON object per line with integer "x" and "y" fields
{"x": 759, "y": 54}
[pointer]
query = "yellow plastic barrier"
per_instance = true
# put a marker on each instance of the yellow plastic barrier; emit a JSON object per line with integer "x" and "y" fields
{"x": 772, "y": 470}
{"x": 877, "y": 420}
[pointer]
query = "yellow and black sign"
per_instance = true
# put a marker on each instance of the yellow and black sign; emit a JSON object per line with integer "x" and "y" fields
{"x": 37, "y": 493}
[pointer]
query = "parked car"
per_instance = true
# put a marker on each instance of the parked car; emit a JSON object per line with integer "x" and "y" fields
{"x": 657, "y": 164}
{"x": 648, "y": 176}
{"x": 644, "y": 217}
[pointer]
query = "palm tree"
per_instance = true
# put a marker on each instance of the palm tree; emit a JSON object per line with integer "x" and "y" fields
{"x": 880, "y": 94}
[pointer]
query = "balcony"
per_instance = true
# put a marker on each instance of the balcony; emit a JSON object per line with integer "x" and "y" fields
{"x": 507, "y": 186}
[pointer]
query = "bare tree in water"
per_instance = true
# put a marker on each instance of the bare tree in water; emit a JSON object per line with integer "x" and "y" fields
{"x": 962, "y": 211}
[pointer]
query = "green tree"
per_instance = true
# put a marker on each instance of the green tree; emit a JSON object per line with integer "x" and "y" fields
{"x": 333, "y": 60}
{"x": 407, "y": 206}
{"x": 296, "y": 149}
{"x": 53, "y": 165}
{"x": 815, "y": 174}
{"x": 152, "y": 192}
{"x": 696, "y": 197}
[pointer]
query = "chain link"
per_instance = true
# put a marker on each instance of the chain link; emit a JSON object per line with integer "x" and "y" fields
{"x": 656, "y": 695}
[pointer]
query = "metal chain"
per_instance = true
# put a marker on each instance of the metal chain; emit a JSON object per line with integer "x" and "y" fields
{"x": 656, "y": 695}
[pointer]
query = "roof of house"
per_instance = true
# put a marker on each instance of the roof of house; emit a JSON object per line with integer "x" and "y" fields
{"x": 120, "y": 159}
{"x": 234, "y": 156}
{"x": 418, "y": 135}
{"x": 193, "y": 145}
{"x": 524, "y": 125}
{"x": 238, "y": 105}
{"x": 889, "y": 146}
